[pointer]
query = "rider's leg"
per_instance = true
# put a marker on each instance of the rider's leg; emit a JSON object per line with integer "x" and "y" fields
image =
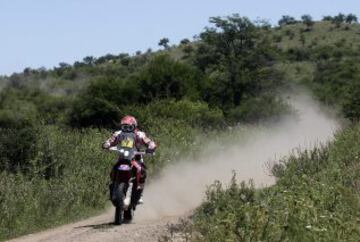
{"x": 138, "y": 172}
{"x": 142, "y": 182}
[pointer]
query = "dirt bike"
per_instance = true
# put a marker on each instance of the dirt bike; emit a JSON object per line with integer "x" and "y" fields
{"x": 123, "y": 190}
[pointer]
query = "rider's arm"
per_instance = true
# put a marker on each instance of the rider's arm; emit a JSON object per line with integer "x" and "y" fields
{"x": 112, "y": 141}
{"x": 150, "y": 144}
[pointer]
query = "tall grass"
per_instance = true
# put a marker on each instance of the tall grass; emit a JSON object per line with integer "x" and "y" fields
{"x": 68, "y": 176}
{"x": 67, "y": 180}
{"x": 316, "y": 198}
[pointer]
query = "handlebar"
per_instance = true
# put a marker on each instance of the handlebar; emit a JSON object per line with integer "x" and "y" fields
{"x": 122, "y": 151}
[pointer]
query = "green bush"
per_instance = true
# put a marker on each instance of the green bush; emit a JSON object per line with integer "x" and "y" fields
{"x": 197, "y": 114}
{"x": 68, "y": 177}
{"x": 164, "y": 77}
{"x": 259, "y": 108}
{"x": 351, "y": 103}
{"x": 316, "y": 198}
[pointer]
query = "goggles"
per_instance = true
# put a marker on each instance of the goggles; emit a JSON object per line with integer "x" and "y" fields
{"x": 127, "y": 127}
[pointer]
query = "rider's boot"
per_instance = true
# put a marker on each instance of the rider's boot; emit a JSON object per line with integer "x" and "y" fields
{"x": 141, "y": 190}
{"x": 141, "y": 200}
{"x": 142, "y": 184}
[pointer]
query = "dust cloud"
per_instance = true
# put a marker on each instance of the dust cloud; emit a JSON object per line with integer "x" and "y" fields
{"x": 247, "y": 150}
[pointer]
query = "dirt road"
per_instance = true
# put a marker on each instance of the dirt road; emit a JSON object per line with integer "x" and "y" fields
{"x": 181, "y": 187}
{"x": 101, "y": 228}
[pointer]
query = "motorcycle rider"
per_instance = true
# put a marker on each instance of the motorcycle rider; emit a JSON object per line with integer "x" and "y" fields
{"x": 131, "y": 137}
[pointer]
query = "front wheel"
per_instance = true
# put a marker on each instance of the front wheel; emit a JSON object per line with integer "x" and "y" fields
{"x": 129, "y": 214}
{"x": 119, "y": 206}
{"x": 118, "y": 215}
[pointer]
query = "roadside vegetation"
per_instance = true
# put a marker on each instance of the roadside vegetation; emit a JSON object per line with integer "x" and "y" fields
{"x": 52, "y": 122}
{"x": 315, "y": 198}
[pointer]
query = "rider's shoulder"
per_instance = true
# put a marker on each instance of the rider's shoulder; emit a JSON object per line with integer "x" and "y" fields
{"x": 140, "y": 134}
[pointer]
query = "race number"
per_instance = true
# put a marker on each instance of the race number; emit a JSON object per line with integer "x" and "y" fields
{"x": 127, "y": 143}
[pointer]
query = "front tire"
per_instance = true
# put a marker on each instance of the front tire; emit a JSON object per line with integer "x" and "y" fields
{"x": 128, "y": 214}
{"x": 119, "y": 194}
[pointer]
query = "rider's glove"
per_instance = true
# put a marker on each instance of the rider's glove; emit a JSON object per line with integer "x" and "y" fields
{"x": 105, "y": 145}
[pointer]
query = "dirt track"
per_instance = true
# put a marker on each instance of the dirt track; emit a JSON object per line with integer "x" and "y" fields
{"x": 100, "y": 228}
{"x": 181, "y": 187}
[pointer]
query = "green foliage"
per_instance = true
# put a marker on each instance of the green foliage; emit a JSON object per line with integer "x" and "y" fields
{"x": 316, "y": 198}
{"x": 236, "y": 60}
{"x": 287, "y": 20}
{"x": 351, "y": 103}
{"x": 232, "y": 73}
{"x": 308, "y": 21}
{"x": 164, "y": 42}
{"x": 17, "y": 147}
{"x": 194, "y": 113}
{"x": 165, "y": 78}
{"x": 260, "y": 108}
{"x": 68, "y": 177}
{"x": 98, "y": 105}
{"x": 334, "y": 79}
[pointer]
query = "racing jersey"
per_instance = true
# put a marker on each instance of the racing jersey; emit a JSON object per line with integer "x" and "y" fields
{"x": 136, "y": 139}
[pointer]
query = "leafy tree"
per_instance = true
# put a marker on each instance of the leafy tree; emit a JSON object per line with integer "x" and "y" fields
{"x": 184, "y": 41}
{"x": 287, "y": 20}
{"x": 89, "y": 60}
{"x": 338, "y": 19}
{"x": 235, "y": 56}
{"x": 351, "y": 18}
{"x": 18, "y": 119}
{"x": 106, "y": 58}
{"x": 27, "y": 71}
{"x": 351, "y": 105}
{"x": 64, "y": 65}
{"x": 99, "y": 104}
{"x": 327, "y": 18}
{"x": 164, "y": 42}
{"x": 165, "y": 78}
{"x": 308, "y": 21}
{"x": 62, "y": 68}
{"x": 78, "y": 64}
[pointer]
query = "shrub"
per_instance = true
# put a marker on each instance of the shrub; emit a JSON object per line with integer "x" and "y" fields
{"x": 316, "y": 198}
{"x": 68, "y": 178}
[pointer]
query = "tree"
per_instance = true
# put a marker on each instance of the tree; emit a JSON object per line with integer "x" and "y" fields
{"x": 234, "y": 55}
{"x": 78, "y": 64}
{"x": 98, "y": 105}
{"x": 165, "y": 78}
{"x": 287, "y": 20}
{"x": 164, "y": 42}
{"x": 338, "y": 20}
{"x": 351, "y": 105}
{"x": 64, "y": 65}
{"x": 89, "y": 60}
{"x": 184, "y": 41}
{"x": 351, "y": 18}
{"x": 327, "y": 18}
{"x": 308, "y": 21}
{"x": 62, "y": 68}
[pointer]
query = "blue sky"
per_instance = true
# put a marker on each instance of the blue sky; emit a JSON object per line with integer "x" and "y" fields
{"x": 45, "y": 32}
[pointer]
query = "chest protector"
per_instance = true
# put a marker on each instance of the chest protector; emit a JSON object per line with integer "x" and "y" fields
{"x": 127, "y": 141}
